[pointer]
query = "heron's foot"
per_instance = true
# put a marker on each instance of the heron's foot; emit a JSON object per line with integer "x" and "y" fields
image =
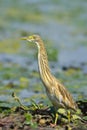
{"x": 52, "y": 125}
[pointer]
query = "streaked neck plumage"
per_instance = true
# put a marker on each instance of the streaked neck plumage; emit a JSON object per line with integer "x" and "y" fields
{"x": 43, "y": 64}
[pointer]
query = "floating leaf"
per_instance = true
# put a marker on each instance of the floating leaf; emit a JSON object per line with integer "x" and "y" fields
{"x": 62, "y": 111}
{"x": 75, "y": 117}
{"x": 85, "y": 118}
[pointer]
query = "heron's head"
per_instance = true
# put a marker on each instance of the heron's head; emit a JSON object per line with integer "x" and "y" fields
{"x": 32, "y": 38}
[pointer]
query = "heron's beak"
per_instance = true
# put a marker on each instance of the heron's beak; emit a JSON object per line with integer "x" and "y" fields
{"x": 23, "y": 38}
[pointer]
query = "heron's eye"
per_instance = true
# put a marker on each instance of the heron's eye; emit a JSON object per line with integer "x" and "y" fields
{"x": 31, "y": 37}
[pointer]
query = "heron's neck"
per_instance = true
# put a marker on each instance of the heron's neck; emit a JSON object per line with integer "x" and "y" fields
{"x": 43, "y": 64}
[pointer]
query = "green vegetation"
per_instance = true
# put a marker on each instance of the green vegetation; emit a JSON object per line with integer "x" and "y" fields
{"x": 18, "y": 66}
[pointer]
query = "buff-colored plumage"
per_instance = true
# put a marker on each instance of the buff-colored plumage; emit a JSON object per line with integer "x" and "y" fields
{"x": 57, "y": 93}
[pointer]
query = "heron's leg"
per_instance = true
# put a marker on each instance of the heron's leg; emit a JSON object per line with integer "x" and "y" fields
{"x": 56, "y": 118}
{"x": 69, "y": 115}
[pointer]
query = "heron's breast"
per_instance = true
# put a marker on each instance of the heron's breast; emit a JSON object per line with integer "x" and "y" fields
{"x": 56, "y": 99}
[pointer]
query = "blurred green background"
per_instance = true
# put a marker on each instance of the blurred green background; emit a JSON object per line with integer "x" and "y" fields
{"x": 62, "y": 24}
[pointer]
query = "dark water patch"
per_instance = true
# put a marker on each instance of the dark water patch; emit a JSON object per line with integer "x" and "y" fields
{"x": 84, "y": 68}
{"x": 74, "y": 58}
{"x": 26, "y": 93}
{"x": 13, "y": 58}
{"x": 4, "y": 98}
